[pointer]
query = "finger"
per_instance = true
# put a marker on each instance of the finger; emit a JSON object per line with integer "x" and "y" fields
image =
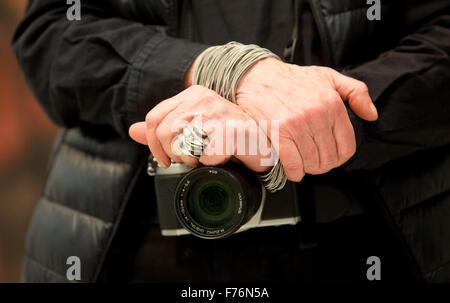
{"x": 344, "y": 135}
{"x": 168, "y": 133}
{"x": 219, "y": 144}
{"x": 153, "y": 119}
{"x": 251, "y": 145}
{"x": 323, "y": 137}
{"x": 138, "y": 132}
{"x": 291, "y": 160}
{"x": 155, "y": 146}
{"x": 214, "y": 155}
{"x": 191, "y": 161}
{"x": 357, "y": 95}
{"x": 307, "y": 148}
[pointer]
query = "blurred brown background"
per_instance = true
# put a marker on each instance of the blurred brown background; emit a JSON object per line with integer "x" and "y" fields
{"x": 25, "y": 139}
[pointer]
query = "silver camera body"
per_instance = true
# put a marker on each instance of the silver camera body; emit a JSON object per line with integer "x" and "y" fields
{"x": 216, "y": 202}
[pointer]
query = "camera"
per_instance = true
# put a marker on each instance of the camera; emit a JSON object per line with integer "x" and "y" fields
{"x": 216, "y": 202}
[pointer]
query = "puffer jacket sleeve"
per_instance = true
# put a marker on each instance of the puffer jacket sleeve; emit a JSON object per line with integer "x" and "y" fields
{"x": 410, "y": 87}
{"x": 107, "y": 69}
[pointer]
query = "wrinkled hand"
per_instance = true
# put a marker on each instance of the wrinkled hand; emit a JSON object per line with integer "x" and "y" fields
{"x": 315, "y": 133}
{"x": 166, "y": 120}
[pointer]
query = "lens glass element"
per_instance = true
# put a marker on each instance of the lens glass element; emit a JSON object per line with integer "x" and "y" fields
{"x": 214, "y": 202}
{"x": 211, "y": 203}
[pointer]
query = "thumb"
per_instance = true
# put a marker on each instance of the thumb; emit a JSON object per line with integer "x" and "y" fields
{"x": 137, "y": 132}
{"x": 357, "y": 95}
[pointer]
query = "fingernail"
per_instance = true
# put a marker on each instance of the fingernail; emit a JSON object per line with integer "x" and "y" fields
{"x": 374, "y": 110}
{"x": 162, "y": 164}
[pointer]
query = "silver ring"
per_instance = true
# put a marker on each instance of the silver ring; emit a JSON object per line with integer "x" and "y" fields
{"x": 193, "y": 141}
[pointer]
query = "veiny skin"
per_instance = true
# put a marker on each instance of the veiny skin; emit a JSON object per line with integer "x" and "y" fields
{"x": 165, "y": 121}
{"x": 315, "y": 133}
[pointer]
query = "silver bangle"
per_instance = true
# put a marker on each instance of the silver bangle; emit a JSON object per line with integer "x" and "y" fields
{"x": 220, "y": 68}
{"x": 275, "y": 179}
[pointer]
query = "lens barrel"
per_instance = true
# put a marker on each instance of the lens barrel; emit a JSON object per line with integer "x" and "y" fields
{"x": 214, "y": 202}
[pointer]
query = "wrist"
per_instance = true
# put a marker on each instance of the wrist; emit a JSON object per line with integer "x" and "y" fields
{"x": 221, "y": 67}
{"x": 265, "y": 72}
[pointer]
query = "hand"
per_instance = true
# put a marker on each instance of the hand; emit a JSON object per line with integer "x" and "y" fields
{"x": 166, "y": 120}
{"x": 315, "y": 133}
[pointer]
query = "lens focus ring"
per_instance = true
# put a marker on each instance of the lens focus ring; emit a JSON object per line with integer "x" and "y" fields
{"x": 213, "y": 202}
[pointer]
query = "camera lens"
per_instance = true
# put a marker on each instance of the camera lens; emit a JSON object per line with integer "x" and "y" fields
{"x": 214, "y": 202}
{"x": 210, "y": 203}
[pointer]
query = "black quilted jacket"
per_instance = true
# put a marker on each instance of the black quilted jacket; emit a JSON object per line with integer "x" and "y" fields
{"x": 97, "y": 76}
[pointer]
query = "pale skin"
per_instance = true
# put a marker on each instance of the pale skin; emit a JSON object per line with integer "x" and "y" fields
{"x": 315, "y": 132}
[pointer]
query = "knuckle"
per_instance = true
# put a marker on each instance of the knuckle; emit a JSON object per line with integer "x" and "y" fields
{"x": 318, "y": 69}
{"x": 362, "y": 87}
{"x": 333, "y": 104}
{"x": 330, "y": 97}
{"x": 292, "y": 166}
{"x": 325, "y": 71}
{"x": 161, "y": 133}
{"x": 329, "y": 164}
{"x": 296, "y": 176}
{"x": 327, "y": 102}
{"x": 328, "y": 69}
{"x": 311, "y": 168}
{"x": 149, "y": 118}
{"x": 208, "y": 99}
{"x": 201, "y": 95}
{"x": 310, "y": 159}
{"x": 329, "y": 161}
